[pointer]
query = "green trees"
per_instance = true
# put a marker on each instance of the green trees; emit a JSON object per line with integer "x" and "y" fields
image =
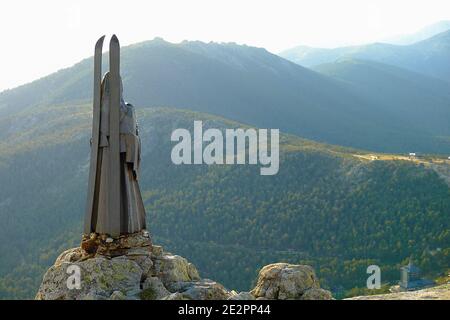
{"x": 325, "y": 207}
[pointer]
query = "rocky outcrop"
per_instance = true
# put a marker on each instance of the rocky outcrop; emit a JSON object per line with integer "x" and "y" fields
{"x": 285, "y": 281}
{"x": 135, "y": 269}
{"x": 200, "y": 290}
{"x": 441, "y": 292}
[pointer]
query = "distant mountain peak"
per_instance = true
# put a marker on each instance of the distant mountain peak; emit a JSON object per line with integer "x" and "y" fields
{"x": 422, "y": 34}
{"x": 428, "y": 57}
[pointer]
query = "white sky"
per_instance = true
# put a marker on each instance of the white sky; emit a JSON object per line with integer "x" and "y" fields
{"x": 40, "y": 37}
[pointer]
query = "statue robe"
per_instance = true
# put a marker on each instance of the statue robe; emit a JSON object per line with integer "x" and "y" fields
{"x": 132, "y": 211}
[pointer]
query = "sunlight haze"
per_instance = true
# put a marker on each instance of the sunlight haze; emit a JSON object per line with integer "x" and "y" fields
{"x": 40, "y": 37}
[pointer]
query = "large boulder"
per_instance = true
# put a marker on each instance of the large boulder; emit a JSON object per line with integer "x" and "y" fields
{"x": 284, "y": 281}
{"x": 141, "y": 273}
{"x": 172, "y": 269}
{"x": 99, "y": 278}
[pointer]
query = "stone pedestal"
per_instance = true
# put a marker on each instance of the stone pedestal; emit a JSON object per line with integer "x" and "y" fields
{"x": 135, "y": 243}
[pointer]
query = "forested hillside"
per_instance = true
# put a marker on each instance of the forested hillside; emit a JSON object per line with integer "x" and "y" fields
{"x": 325, "y": 207}
{"x": 422, "y": 102}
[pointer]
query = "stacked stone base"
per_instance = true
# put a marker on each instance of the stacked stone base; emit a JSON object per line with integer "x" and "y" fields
{"x": 96, "y": 244}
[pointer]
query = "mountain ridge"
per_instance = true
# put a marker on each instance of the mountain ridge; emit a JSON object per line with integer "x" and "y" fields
{"x": 241, "y": 83}
{"x": 428, "y": 56}
{"x": 422, "y": 34}
{"x": 402, "y": 93}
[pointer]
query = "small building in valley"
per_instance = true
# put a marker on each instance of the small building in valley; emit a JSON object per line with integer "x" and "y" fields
{"x": 410, "y": 278}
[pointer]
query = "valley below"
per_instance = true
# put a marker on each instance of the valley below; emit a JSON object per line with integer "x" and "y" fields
{"x": 329, "y": 206}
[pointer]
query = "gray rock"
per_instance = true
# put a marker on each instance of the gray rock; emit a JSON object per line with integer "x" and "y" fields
{"x": 99, "y": 277}
{"x": 144, "y": 262}
{"x": 317, "y": 294}
{"x": 157, "y": 251}
{"x": 172, "y": 268}
{"x": 117, "y": 295}
{"x": 71, "y": 255}
{"x": 284, "y": 281}
{"x": 204, "y": 289}
{"x": 92, "y": 296}
{"x": 153, "y": 289}
{"x": 176, "y": 296}
{"x": 241, "y": 296}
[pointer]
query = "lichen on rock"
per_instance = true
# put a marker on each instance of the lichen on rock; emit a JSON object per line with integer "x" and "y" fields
{"x": 153, "y": 289}
{"x": 285, "y": 281}
{"x": 241, "y": 296}
{"x": 172, "y": 269}
{"x": 100, "y": 277}
{"x": 131, "y": 269}
{"x": 204, "y": 289}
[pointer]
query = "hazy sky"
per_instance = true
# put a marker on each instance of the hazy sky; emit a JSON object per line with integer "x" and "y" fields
{"x": 40, "y": 37}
